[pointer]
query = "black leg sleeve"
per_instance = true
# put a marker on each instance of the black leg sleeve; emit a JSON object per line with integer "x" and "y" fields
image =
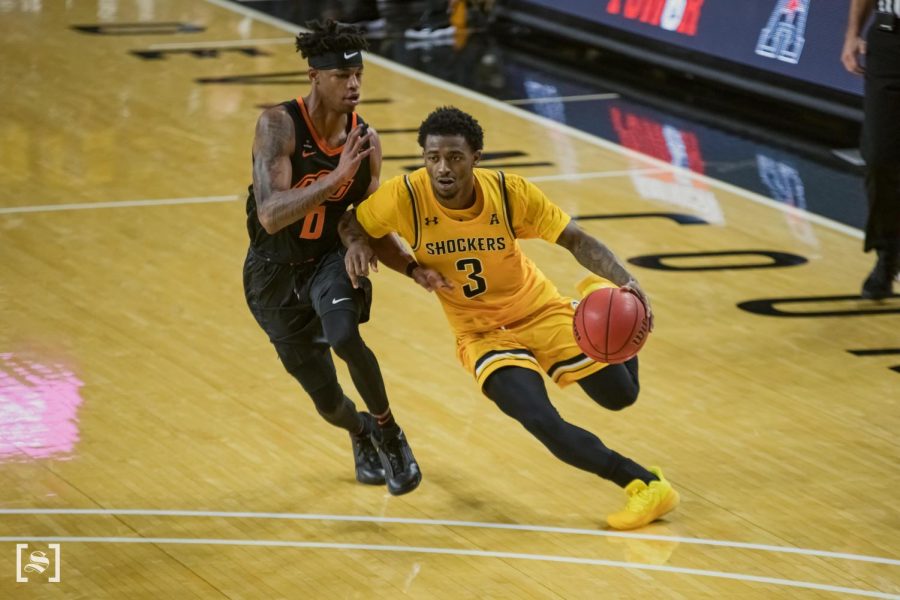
{"x": 521, "y": 394}
{"x": 342, "y": 332}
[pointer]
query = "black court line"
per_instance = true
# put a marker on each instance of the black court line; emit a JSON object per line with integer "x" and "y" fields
{"x": 875, "y": 352}
{"x": 399, "y": 130}
{"x": 680, "y": 218}
{"x": 372, "y": 101}
{"x": 485, "y": 156}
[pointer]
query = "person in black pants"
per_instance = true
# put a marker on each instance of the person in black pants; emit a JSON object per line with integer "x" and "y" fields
{"x": 881, "y": 132}
{"x": 313, "y": 157}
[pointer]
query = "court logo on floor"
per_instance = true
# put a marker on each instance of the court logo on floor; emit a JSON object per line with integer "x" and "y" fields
{"x": 37, "y": 564}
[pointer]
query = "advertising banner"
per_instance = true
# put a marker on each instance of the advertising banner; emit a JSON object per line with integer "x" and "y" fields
{"x": 800, "y": 39}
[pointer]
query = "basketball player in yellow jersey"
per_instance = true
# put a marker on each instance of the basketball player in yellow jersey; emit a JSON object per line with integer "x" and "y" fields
{"x": 510, "y": 321}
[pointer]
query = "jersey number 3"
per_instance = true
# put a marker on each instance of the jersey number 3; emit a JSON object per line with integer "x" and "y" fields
{"x": 472, "y": 268}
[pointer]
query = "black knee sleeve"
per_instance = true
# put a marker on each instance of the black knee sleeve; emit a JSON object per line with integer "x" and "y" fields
{"x": 342, "y": 333}
{"x": 615, "y": 387}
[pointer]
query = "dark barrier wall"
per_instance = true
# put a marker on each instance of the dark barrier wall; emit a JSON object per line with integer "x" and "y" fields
{"x": 800, "y": 39}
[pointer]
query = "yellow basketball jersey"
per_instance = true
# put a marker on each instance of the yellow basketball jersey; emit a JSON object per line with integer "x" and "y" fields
{"x": 495, "y": 284}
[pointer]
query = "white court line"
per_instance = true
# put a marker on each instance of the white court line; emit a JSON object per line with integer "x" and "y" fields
{"x": 121, "y": 204}
{"x": 221, "y": 44}
{"x": 447, "y": 523}
{"x": 463, "y": 552}
{"x": 554, "y": 99}
{"x": 545, "y": 122}
{"x": 208, "y": 199}
{"x": 595, "y": 175}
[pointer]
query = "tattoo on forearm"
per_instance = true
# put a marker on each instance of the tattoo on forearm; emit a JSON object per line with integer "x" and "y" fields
{"x": 290, "y": 206}
{"x": 596, "y": 257}
{"x": 278, "y": 204}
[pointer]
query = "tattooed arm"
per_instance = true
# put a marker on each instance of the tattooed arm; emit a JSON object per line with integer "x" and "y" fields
{"x": 277, "y": 204}
{"x": 597, "y": 258}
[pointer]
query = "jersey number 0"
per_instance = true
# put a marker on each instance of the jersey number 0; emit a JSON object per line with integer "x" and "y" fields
{"x": 313, "y": 224}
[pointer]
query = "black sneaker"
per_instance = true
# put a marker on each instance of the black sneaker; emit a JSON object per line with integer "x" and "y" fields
{"x": 400, "y": 467}
{"x": 368, "y": 463}
{"x": 880, "y": 282}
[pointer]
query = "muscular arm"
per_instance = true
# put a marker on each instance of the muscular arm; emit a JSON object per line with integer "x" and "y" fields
{"x": 362, "y": 250}
{"x": 593, "y": 254}
{"x": 597, "y": 258}
{"x": 374, "y": 162}
{"x": 277, "y": 204}
{"x": 388, "y": 249}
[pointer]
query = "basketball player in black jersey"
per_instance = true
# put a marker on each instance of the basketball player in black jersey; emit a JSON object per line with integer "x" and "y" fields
{"x": 313, "y": 157}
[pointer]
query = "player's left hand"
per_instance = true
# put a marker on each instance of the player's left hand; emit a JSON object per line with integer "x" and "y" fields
{"x": 359, "y": 259}
{"x": 633, "y": 287}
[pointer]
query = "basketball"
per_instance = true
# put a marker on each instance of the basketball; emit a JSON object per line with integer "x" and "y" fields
{"x": 611, "y": 325}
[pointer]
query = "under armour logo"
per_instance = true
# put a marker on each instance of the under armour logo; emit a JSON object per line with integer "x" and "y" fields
{"x": 431, "y": 220}
{"x": 494, "y": 219}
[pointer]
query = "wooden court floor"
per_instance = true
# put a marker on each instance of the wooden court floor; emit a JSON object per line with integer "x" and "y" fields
{"x": 147, "y": 428}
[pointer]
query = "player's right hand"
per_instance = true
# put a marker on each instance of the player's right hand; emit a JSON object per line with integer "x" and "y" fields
{"x": 635, "y": 288}
{"x": 359, "y": 259}
{"x": 356, "y": 149}
{"x": 430, "y": 279}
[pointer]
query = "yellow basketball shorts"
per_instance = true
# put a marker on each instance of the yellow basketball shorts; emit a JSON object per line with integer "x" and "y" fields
{"x": 542, "y": 342}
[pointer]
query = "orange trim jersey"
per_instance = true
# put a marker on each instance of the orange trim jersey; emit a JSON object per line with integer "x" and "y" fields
{"x": 495, "y": 284}
{"x": 308, "y": 239}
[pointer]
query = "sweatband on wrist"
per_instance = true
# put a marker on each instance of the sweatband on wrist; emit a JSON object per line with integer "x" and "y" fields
{"x": 410, "y": 268}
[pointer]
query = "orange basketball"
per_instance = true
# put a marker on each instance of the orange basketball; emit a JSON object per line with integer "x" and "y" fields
{"x": 611, "y": 325}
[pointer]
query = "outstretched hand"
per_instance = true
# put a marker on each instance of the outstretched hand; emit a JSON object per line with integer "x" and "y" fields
{"x": 430, "y": 279}
{"x": 356, "y": 149}
{"x": 359, "y": 259}
{"x": 633, "y": 287}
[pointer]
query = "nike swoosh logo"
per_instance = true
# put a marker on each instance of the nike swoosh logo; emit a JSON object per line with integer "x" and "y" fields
{"x": 351, "y": 55}
{"x": 306, "y": 154}
{"x": 337, "y": 300}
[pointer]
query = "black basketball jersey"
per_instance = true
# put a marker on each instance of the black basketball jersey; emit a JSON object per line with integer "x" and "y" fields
{"x": 310, "y": 238}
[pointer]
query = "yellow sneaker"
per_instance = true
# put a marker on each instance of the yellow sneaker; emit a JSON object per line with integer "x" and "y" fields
{"x": 646, "y": 503}
{"x": 592, "y": 283}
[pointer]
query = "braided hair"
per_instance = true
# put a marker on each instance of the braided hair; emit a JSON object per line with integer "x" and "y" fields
{"x": 329, "y": 36}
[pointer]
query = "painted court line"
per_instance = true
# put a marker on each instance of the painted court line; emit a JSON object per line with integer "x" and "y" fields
{"x": 211, "y": 199}
{"x": 221, "y": 44}
{"x": 549, "y": 123}
{"x": 464, "y": 552}
{"x": 554, "y": 99}
{"x": 596, "y": 174}
{"x": 121, "y": 204}
{"x": 446, "y": 523}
